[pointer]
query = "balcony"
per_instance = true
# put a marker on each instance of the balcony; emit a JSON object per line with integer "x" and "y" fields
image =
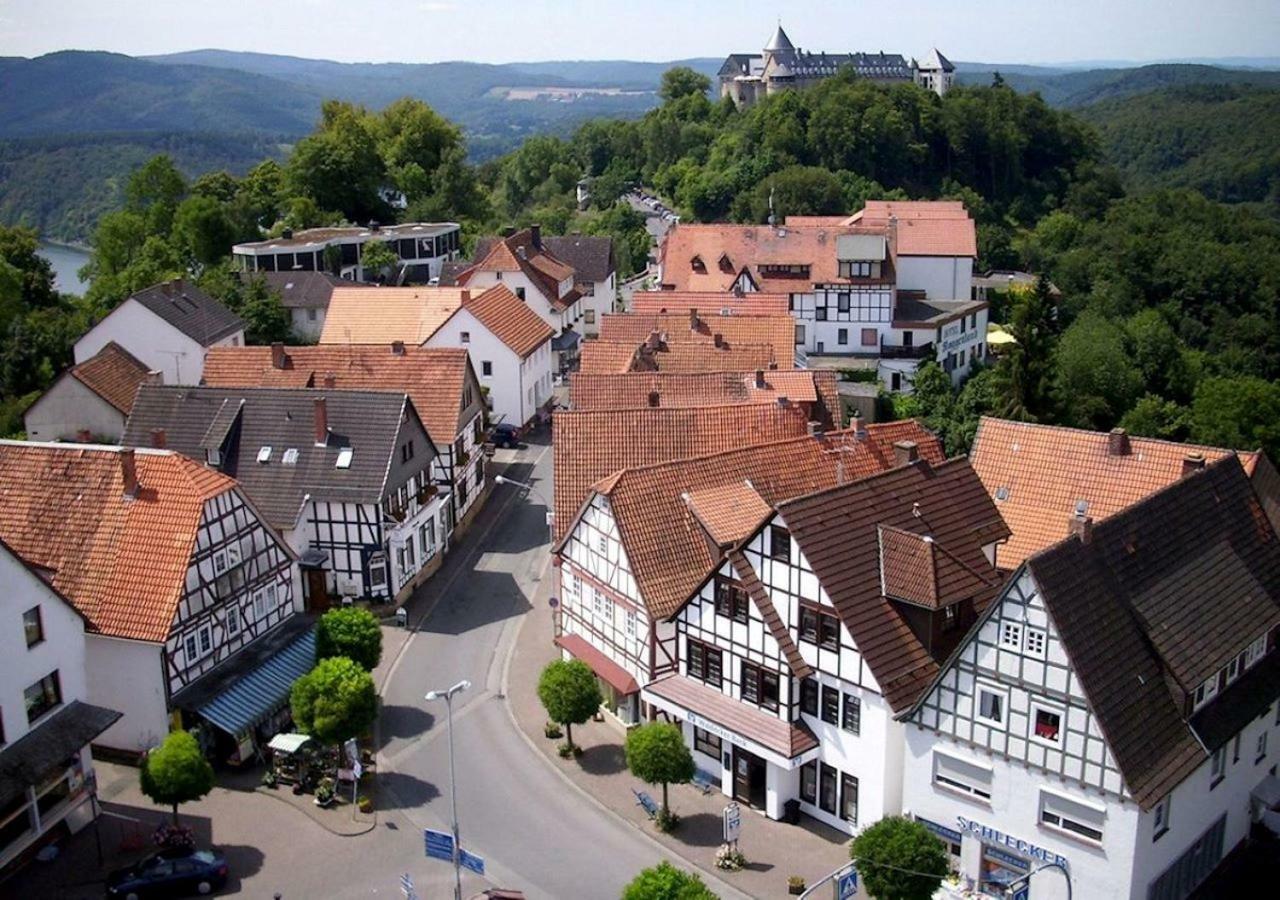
{"x": 900, "y": 351}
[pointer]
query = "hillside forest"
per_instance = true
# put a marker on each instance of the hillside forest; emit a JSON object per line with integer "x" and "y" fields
{"x": 1166, "y": 321}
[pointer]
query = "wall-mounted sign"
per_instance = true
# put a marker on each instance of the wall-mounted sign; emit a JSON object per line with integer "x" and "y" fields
{"x": 989, "y": 835}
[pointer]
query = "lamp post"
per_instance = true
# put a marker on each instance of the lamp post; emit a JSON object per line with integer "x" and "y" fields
{"x": 1023, "y": 884}
{"x": 447, "y": 697}
{"x": 503, "y": 479}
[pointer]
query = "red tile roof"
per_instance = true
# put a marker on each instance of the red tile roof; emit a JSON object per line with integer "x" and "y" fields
{"x": 122, "y": 562}
{"x": 778, "y": 332}
{"x": 519, "y": 253}
{"x": 1040, "y": 475}
{"x": 602, "y": 357}
{"x": 633, "y": 389}
{"x": 924, "y": 227}
{"x": 751, "y": 303}
{"x": 432, "y": 377}
{"x": 915, "y": 569}
{"x": 510, "y": 319}
{"x": 729, "y": 512}
{"x": 113, "y": 373}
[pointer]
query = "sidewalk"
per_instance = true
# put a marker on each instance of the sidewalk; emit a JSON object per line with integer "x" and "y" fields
{"x": 774, "y": 850}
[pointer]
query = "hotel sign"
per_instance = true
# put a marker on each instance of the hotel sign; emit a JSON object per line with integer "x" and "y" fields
{"x": 989, "y": 835}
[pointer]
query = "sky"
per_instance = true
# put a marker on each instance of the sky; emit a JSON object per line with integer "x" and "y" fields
{"x": 1005, "y": 31}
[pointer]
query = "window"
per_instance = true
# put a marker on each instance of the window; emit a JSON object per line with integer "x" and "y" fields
{"x": 1235, "y": 667}
{"x": 42, "y": 696}
{"x": 809, "y": 697}
{"x": 827, "y": 788}
{"x": 704, "y": 663}
{"x": 799, "y": 334}
{"x": 290, "y": 457}
{"x": 731, "y": 599}
{"x": 809, "y": 782}
{"x": 311, "y": 315}
{"x": 630, "y": 623}
{"x": 842, "y": 336}
{"x": 759, "y": 686}
{"x": 1235, "y": 749}
{"x": 707, "y": 743}
{"x": 1256, "y": 651}
{"x": 991, "y": 705}
{"x": 1071, "y": 816}
{"x": 1035, "y": 642}
{"x": 1260, "y": 749}
{"x": 486, "y": 368}
{"x": 590, "y": 316}
{"x": 264, "y": 454}
{"x": 1160, "y": 818}
{"x": 344, "y": 458}
{"x": 779, "y": 543}
{"x": 1206, "y": 691}
{"x": 465, "y": 337}
{"x": 259, "y": 605}
{"x": 1011, "y": 635}
{"x": 233, "y": 621}
{"x": 406, "y": 451}
{"x": 206, "y": 640}
{"x": 427, "y": 538}
{"x": 852, "y": 718}
{"x": 1047, "y": 725}
{"x": 33, "y": 626}
{"x": 869, "y": 337}
{"x": 830, "y": 705}
{"x": 377, "y": 570}
{"x": 601, "y": 604}
{"x": 520, "y": 292}
{"x": 849, "y": 799}
{"x": 820, "y": 313}
{"x": 958, "y": 775}
{"x": 602, "y": 543}
{"x": 842, "y": 303}
{"x": 1218, "y": 767}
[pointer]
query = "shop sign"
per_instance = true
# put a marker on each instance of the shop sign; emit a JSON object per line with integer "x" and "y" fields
{"x": 694, "y": 719}
{"x": 953, "y": 338}
{"x": 992, "y": 836}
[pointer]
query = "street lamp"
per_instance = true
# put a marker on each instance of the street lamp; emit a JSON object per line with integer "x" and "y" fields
{"x": 447, "y": 697}
{"x": 503, "y": 479}
{"x": 1022, "y": 886}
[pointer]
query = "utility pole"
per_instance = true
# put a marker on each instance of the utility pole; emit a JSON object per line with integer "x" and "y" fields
{"x": 447, "y": 697}
{"x": 503, "y": 479}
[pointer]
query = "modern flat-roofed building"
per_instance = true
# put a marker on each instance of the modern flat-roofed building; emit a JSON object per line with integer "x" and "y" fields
{"x": 422, "y": 248}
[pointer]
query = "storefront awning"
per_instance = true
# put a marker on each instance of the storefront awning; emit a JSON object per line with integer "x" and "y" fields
{"x": 609, "y": 671}
{"x": 261, "y": 690}
{"x": 289, "y": 743}
{"x": 27, "y": 760}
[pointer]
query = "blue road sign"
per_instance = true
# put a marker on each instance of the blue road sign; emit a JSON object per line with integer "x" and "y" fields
{"x": 472, "y": 862}
{"x": 847, "y": 885}
{"x": 406, "y": 884}
{"x": 439, "y": 844}
{"x": 1023, "y": 893}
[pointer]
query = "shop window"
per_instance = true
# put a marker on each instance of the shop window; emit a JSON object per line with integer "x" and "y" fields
{"x": 830, "y": 705}
{"x": 809, "y": 697}
{"x": 1046, "y": 725}
{"x": 1071, "y": 816}
{"x": 809, "y": 782}
{"x": 852, "y": 720}
{"x": 706, "y": 743}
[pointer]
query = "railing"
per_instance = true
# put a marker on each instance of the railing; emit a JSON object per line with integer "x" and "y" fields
{"x": 899, "y": 351}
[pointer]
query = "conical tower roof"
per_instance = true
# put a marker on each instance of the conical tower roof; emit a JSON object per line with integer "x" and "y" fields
{"x": 779, "y": 41}
{"x": 935, "y": 60}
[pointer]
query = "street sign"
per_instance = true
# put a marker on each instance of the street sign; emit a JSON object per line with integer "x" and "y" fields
{"x": 357, "y": 770}
{"x": 350, "y": 747}
{"x": 1023, "y": 892}
{"x": 439, "y": 844}
{"x": 406, "y": 885}
{"x": 732, "y": 823}
{"x": 472, "y": 862}
{"x": 847, "y": 885}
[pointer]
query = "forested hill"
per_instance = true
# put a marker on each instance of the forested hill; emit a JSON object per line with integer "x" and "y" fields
{"x": 1078, "y": 89}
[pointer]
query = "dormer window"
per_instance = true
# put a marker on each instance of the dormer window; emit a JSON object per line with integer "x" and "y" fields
{"x": 1206, "y": 691}
{"x": 1255, "y": 652}
{"x": 213, "y": 457}
{"x": 264, "y": 454}
{"x": 726, "y": 264}
{"x": 698, "y": 265}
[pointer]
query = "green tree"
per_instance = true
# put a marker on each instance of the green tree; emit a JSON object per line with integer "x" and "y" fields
{"x": 176, "y": 772}
{"x": 665, "y": 882}
{"x": 795, "y": 191}
{"x": 378, "y": 260}
{"x": 203, "y": 231}
{"x": 1030, "y": 360}
{"x": 338, "y": 165}
{"x": 335, "y": 701}
{"x": 1153, "y": 416}
{"x": 154, "y": 191}
{"x": 413, "y": 140}
{"x": 899, "y": 859}
{"x": 680, "y": 82}
{"x": 265, "y": 318}
{"x": 657, "y": 754}
{"x": 18, "y": 248}
{"x": 1096, "y": 381}
{"x": 1241, "y": 412}
{"x": 569, "y": 693}
{"x": 351, "y": 632}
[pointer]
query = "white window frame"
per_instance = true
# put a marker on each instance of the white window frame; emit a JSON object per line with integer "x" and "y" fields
{"x": 259, "y": 605}
{"x": 219, "y": 563}
{"x": 1206, "y": 691}
{"x": 1160, "y": 817}
{"x": 952, "y": 778}
{"x": 631, "y": 623}
{"x": 601, "y": 605}
{"x": 602, "y": 544}
{"x": 1255, "y": 652}
{"x": 569, "y": 585}
{"x": 1011, "y": 635}
{"x": 1218, "y": 767}
{"x": 1058, "y": 806}
{"x": 233, "y": 620}
{"x": 1037, "y": 636}
{"x": 1041, "y": 706}
{"x": 1002, "y": 694}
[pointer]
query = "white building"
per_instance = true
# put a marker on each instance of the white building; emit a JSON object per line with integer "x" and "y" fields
{"x": 826, "y": 619}
{"x": 173, "y": 624}
{"x": 305, "y": 295}
{"x": 168, "y": 327}
{"x": 45, "y": 723}
{"x": 422, "y": 248}
{"x": 1114, "y": 710}
{"x": 595, "y": 274}
{"x": 90, "y": 401}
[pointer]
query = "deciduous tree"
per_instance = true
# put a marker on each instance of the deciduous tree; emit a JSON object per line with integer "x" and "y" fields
{"x": 657, "y": 754}
{"x": 335, "y": 701}
{"x": 569, "y": 693}
{"x": 176, "y": 772}
{"x": 665, "y": 882}
{"x": 351, "y": 632}
{"x": 899, "y": 859}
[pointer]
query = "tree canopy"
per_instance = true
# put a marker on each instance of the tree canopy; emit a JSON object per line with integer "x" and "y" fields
{"x": 335, "y": 701}
{"x": 665, "y": 882}
{"x": 657, "y": 754}
{"x": 569, "y": 693}
{"x": 351, "y": 632}
{"x": 899, "y": 859}
{"x": 176, "y": 772}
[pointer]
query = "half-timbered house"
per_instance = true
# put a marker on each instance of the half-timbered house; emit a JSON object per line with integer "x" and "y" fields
{"x": 828, "y": 614}
{"x": 178, "y": 575}
{"x": 635, "y": 552}
{"x": 1114, "y": 711}
{"x": 345, "y": 476}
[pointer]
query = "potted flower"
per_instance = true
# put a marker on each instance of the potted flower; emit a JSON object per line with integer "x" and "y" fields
{"x": 729, "y": 858}
{"x": 795, "y": 885}
{"x": 325, "y": 792}
{"x": 269, "y": 778}
{"x": 365, "y": 805}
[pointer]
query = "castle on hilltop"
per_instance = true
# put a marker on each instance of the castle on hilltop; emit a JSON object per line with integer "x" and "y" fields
{"x": 746, "y": 77}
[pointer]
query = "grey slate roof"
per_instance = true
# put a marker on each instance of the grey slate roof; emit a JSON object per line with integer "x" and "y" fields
{"x": 368, "y": 422}
{"x": 450, "y": 270}
{"x": 1163, "y": 595}
{"x": 24, "y": 762}
{"x": 303, "y": 290}
{"x": 590, "y": 255}
{"x": 190, "y": 310}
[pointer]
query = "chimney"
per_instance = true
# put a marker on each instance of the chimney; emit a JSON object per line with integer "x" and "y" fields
{"x": 287, "y": 233}
{"x": 397, "y": 348}
{"x": 1082, "y": 527}
{"x": 464, "y": 297}
{"x": 760, "y": 382}
{"x": 773, "y": 366}
{"x": 330, "y": 380}
{"x": 905, "y": 452}
{"x": 784, "y": 403}
{"x": 322, "y": 422}
{"x": 1118, "y": 442}
{"x": 1192, "y": 462}
{"x": 155, "y": 376}
{"x": 129, "y": 472}
{"x": 719, "y": 339}
{"x": 693, "y": 319}
{"x": 158, "y": 438}
{"x": 653, "y": 398}
{"x": 535, "y": 236}
{"x": 508, "y": 231}
{"x": 84, "y": 436}
{"x": 520, "y": 252}
{"x": 859, "y": 427}
{"x": 654, "y": 341}
{"x": 815, "y": 428}
{"x": 278, "y": 356}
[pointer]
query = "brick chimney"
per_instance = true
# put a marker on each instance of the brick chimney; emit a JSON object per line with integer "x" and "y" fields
{"x": 654, "y": 399}
{"x": 535, "y": 236}
{"x": 84, "y": 436}
{"x": 464, "y": 297}
{"x": 1118, "y": 442}
{"x": 330, "y": 380}
{"x": 904, "y": 452}
{"x": 693, "y": 319}
{"x": 761, "y": 384}
{"x": 128, "y": 472}
{"x": 278, "y": 356}
{"x": 397, "y": 348}
{"x": 322, "y": 422}
{"x": 1192, "y": 462}
{"x": 859, "y": 428}
{"x": 508, "y": 231}
{"x": 158, "y": 439}
{"x": 1082, "y": 527}
{"x": 654, "y": 341}
{"x": 815, "y": 428}
{"x": 719, "y": 339}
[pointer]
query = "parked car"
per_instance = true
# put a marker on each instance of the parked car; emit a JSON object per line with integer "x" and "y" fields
{"x": 170, "y": 874}
{"x": 505, "y": 434}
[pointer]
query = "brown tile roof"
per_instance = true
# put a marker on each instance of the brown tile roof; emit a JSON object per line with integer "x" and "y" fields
{"x": 603, "y": 357}
{"x": 606, "y": 357}
{"x": 113, "y": 373}
{"x": 728, "y": 512}
{"x": 613, "y": 674}
{"x": 665, "y": 546}
{"x": 788, "y": 739}
{"x": 633, "y": 389}
{"x": 432, "y": 377}
{"x": 838, "y": 533}
{"x": 777, "y": 628}
{"x": 591, "y": 445}
{"x": 750, "y": 303}
{"x": 915, "y": 569}
{"x": 694, "y": 327}
{"x": 1165, "y": 593}
{"x": 122, "y": 562}
{"x": 519, "y": 253}
{"x": 1038, "y": 474}
{"x": 925, "y": 227}
{"x": 382, "y": 315}
{"x": 510, "y": 320}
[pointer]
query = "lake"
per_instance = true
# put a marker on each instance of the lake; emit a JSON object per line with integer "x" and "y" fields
{"x": 66, "y": 261}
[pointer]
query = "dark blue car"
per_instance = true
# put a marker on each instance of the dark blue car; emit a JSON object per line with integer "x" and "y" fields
{"x": 170, "y": 874}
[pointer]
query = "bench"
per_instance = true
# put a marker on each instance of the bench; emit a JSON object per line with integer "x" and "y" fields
{"x": 705, "y": 781}
{"x": 643, "y": 799}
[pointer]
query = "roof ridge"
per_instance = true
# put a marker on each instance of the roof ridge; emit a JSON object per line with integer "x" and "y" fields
{"x": 1164, "y": 442}
{"x": 883, "y": 473}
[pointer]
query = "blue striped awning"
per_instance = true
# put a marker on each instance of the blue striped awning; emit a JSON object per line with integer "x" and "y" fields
{"x": 258, "y": 694}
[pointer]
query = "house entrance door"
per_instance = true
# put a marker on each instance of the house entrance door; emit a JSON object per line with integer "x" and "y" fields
{"x": 749, "y": 773}
{"x": 317, "y": 591}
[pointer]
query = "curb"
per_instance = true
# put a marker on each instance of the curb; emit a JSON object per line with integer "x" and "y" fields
{"x": 346, "y": 834}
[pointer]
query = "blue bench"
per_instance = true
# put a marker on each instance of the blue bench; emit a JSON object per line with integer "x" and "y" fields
{"x": 705, "y": 781}
{"x": 647, "y": 802}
